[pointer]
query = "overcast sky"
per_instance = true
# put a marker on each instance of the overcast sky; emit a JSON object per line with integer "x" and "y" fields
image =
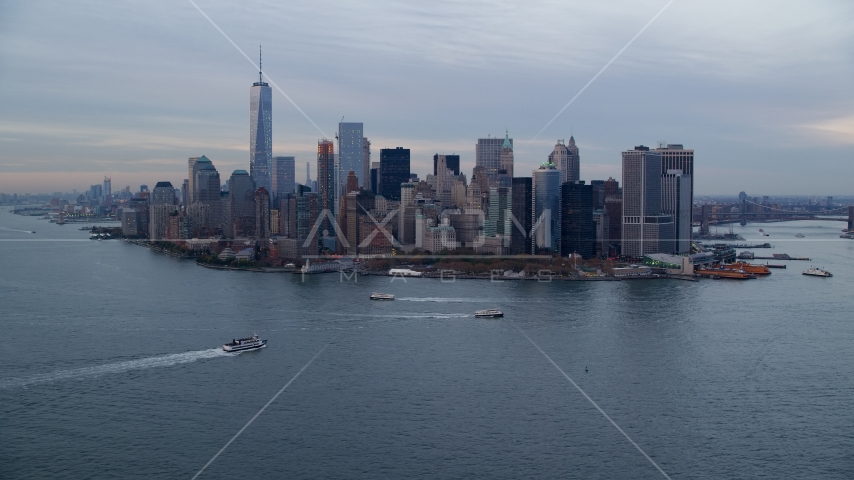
{"x": 763, "y": 91}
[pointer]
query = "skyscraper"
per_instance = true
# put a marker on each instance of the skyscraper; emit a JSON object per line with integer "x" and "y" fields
{"x": 326, "y": 178}
{"x": 284, "y": 176}
{"x": 394, "y": 170}
{"x": 261, "y": 132}
{"x": 521, "y": 208}
{"x": 108, "y": 189}
{"x": 488, "y": 154}
{"x": 161, "y": 207}
{"x": 191, "y": 174}
{"x": 262, "y": 213}
{"x": 241, "y": 205}
{"x": 505, "y": 158}
{"x": 565, "y": 159}
{"x": 452, "y": 162}
{"x": 207, "y": 185}
{"x": 546, "y": 210}
{"x": 366, "y": 164}
{"x": 614, "y": 208}
{"x": 578, "y": 235}
{"x": 351, "y": 153}
{"x": 645, "y": 229}
{"x": 678, "y": 193}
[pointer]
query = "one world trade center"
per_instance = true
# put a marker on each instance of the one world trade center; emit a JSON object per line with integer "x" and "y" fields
{"x": 261, "y": 132}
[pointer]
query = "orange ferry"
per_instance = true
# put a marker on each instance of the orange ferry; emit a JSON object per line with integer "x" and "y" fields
{"x": 749, "y": 268}
{"x": 724, "y": 273}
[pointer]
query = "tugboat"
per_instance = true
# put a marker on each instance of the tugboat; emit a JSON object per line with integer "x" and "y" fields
{"x": 241, "y": 344}
{"x": 489, "y": 313}
{"x": 817, "y": 272}
{"x": 381, "y": 296}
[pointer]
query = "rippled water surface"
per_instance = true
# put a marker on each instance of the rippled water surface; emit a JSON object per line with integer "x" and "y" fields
{"x": 111, "y": 369}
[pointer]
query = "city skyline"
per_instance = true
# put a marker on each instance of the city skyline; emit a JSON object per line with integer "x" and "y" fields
{"x": 754, "y": 121}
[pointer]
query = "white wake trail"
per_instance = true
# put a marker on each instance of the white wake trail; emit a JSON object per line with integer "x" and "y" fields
{"x": 110, "y": 368}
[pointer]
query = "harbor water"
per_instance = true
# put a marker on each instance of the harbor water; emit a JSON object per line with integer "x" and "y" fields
{"x": 112, "y": 368}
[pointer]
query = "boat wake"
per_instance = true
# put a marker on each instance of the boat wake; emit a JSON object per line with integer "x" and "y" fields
{"x": 118, "y": 367}
{"x": 458, "y": 300}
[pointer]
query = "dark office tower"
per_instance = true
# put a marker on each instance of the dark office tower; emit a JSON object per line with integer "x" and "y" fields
{"x": 394, "y": 170}
{"x": 366, "y": 164}
{"x": 614, "y": 208}
{"x": 262, "y": 213}
{"x": 261, "y": 132}
{"x": 308, "y": 210}
{"x": 577, "y": 229}
{"x": 207, "y": 185}
{"x": 241, "y": 205}
{"x": 678, "y": 194}
{"x": 375, "y": 178}
{"x": 598, "y": 193}
{"x": 185, "y": 193}
{"x": 284, "y": 176}
{"x": 851, "y": 219}
{"x": 645, "y": 229}
{"x": 521, "y": 208}
{"x": 452, "y": 162}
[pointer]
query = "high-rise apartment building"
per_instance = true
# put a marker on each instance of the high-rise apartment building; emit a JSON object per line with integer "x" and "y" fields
{"x": 645, "y": 229}
{"x": 546, "y": 210}
{"x": 566, "y": 160}
{"x": 284, "y": 176}
{"x": 394, "y": 170}
{"x": 578, "y": 234}
{"x": 108, "y": 188}
{"x": 326, "y": 179}
{"x": 522, "y": 204}
{"x": 351, "y": 153}
{"x": 261, "y": 133}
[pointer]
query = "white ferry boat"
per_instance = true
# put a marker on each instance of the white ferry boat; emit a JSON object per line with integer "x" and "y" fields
{"x": 817, "y": 272}
{"x": 382, "y": 296}
{"x": 489, "y": 313}
{"x": 241, "y": 344}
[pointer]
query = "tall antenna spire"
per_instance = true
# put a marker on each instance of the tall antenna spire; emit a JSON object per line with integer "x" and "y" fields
{"x": 259, "y": 64}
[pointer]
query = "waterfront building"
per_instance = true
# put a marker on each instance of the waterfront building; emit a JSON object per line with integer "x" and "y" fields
{"x": 499, "y": 211}
{"x": 645, "y": 229}
{"x": 677, "y": 189}
{"x": 394, "y": 171}
{"x": 130, "y": 223}
{"x": 241, "y": 205}
{"x": 521, "y": 209}
{"x": 284, "y": 176}
{"x": 351, "y": 154}
{"x": 161, "y": 206}
{"x": 261, "y": 132}
{"x": 578, "y": 234}
{"x": 601, "y": 221}
{"x": 546, "y": 216}
{"x": 566, "y": 160}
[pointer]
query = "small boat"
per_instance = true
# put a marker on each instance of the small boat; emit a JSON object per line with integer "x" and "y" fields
{"x": 489, "y": 313}
{"x": 762, "y": 232}
{"x": 241, "y": 344}
{"x": 800, "y": 235}
{"x": 817, "y": 272}
{"x": 849, "y": 236}
{"x": 381, "y": 296}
